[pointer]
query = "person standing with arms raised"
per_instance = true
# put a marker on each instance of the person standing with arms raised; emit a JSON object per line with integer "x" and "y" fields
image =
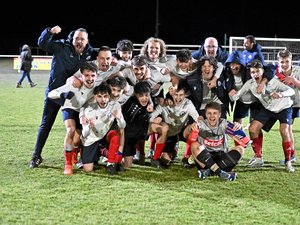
{"x": 68, "y": 56}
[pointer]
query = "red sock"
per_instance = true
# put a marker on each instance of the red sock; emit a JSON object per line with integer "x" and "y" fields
{"x": 191, "y": 139}
{"x": 261, "y": 137}
{"x": 114, "y": 143}
{"x": 287, "y": 149}
{"x": 103, "y": 151}
{"x": 158, "y": 150}
{"x": 75, "y": 152}
{"x": 293, "y": 153}
{"x": 257, "y": 147}
{"x": 68, "y": 157}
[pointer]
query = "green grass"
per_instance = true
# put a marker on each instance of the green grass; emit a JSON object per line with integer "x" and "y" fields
{"x": 142, "y": 195}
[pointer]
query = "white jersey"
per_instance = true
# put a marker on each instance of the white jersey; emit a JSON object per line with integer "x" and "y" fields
{"x": 81, "y": 95}
{"x": 296, "y": 74}
{"x": 105, "y": 75}
{"x": 161, "y": 62}
{"x": 176, "y": 71}
{"x": 247, "y": 98}
{"x": 208, "y": 95}
{"x": 274, "y": 85}
{"x": 155, "y": 78}
{"x": 103, "y": 120}
{"x": 213, "y": 138}
{"x": 176, "y": 117}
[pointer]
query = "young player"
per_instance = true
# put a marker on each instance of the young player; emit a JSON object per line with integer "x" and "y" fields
{"x": 98, "y": 118}
{"x": 210, "y": 151}
{"x": 72, "y": 99}
{"x": 276, "y": 101}
{"x": 290, "y": 75}
{"x": 176, "y": 117}
{"x": 136, "y": 114}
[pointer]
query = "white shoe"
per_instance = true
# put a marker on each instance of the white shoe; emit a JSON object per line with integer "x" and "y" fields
{"x": 288, "y": 167}
{"x": 256, "y": 162}
{"x": 282, "y": 162}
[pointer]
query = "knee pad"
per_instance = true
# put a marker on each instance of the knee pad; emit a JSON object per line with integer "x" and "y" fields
{"x": 230, "y": 159}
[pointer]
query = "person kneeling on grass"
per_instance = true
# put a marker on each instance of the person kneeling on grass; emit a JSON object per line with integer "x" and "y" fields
{"x": 210, "y": 151}
{"x": 98, "y": 119}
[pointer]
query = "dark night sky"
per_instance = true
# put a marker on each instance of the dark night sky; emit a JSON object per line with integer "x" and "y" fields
{"x": 180, "y": 22}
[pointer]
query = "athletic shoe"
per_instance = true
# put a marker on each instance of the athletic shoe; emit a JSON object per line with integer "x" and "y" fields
{"x": 185, "y": 163}
{"x": 79, "y": 164}
{"x": 156, "y": 163}
{"x": 165, "y": 163}
{"x": 120, "y": 167}
{"x": 104, "y": 159}
{"x": 32, "y": 84}
{"x": 68, "y": 170}
{"x": 256, "y": 162}
{"x": 136, "y": 158}
{"x": 227, "y": 176}
{"x": 35, "y": 161}
{"x": 19, "y": 86}
{"x": 204, "y": 173}
{"x": 111, "y": 169}
{"x": 288, "y": 167}
{"x": 282, "y": 162}
{"x": 175, "y": 158}
{"x": 142, "y": 160}
{"x": 150, "y": 154}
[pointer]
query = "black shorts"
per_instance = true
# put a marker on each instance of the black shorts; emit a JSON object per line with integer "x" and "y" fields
{"x": 295, "y": 113}
{"x": 91, "y": 153}
{"x": 130, "y": 146}
{"x": 241, "y": 110}
{"x": 268, "y": 118}
{"x": 172, "y": 140}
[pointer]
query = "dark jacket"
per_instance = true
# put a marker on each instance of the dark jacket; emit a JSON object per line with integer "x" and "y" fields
{"x": 195, "y": 85}
{"x": 254, "y": 53}
{"x": 235, "y": 57}
{"x": 136, "y": 117}
{"x": 66, "y": 61}
{"x": 26, "y": 59}
{"x": 222, "y": 55}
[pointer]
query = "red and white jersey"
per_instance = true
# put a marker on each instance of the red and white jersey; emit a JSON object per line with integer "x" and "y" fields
{"x": 176, "y": 116}
{"x": 213, "y": 138}
{"x": 271, "y": 104}
{"x": 103, "y": 120}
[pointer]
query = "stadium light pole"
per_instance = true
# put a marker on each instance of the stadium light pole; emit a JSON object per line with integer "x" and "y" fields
{"x": 157, "y": 19}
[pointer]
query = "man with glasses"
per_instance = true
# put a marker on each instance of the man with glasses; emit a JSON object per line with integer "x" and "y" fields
{"x": 211, "y": 48}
